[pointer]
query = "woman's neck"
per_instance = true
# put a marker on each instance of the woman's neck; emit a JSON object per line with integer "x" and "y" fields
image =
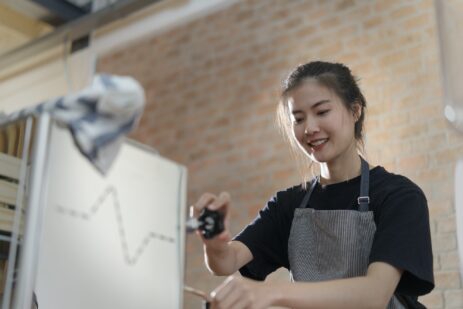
{"x": 341, "y": 169}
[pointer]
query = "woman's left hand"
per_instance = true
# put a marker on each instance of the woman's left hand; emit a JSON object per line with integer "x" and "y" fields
{"x": 237, "y": 292}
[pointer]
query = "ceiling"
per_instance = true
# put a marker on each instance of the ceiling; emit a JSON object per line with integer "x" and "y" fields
{"x": 35, "y": 31}
{"x": 22, "y": 21}
{"x": 29, "y": 27}
{"x": 52, "y": 12}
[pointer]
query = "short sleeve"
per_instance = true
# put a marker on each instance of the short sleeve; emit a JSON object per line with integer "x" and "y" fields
{"x": 267, "y": 239}
{"x": 403, "y": 239}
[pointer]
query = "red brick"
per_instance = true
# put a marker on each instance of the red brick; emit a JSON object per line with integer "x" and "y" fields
{"x": 434, "y": 300}
{"x": 447, "y": 279}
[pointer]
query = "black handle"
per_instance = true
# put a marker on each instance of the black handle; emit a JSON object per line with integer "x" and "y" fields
{"x": 211, "y": 223}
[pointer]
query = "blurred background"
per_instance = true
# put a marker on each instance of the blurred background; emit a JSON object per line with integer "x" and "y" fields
{"x": 212, "y": 72}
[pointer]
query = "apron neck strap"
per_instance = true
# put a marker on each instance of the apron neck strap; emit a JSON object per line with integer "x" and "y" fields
{"x": 313, "y": 184}
{"x": 363, "y": 200}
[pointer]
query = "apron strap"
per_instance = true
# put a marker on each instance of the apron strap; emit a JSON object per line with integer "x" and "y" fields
{"x": 305, "y": 201}
{"x": 364, "y": 200}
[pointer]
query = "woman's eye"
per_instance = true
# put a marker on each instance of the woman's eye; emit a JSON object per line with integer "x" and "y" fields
{"x": 323, "y": 112}
{"x": 297, "y": 120}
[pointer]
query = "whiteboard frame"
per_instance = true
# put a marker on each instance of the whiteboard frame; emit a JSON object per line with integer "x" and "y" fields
{"x": 34, "y": 216}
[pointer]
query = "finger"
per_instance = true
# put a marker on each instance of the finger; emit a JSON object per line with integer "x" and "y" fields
{"x": 204, "y": 201}
{"x": 221, "y": 202}
{"x": 217, "y": 240}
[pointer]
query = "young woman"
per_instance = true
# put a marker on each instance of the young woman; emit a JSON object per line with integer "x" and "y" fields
{"x": 356, "y": 236}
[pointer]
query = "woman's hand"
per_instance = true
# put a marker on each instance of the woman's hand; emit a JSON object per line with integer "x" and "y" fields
{"x": 237, "y": 292}
{"x": 219, "y": 203}
{"x": 223, "y": 257}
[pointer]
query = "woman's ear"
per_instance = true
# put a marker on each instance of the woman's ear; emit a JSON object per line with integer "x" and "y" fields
{"x": 357, "y": 111}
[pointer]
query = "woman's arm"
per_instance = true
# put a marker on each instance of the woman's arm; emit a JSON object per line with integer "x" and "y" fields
{"x": 223, "y": 257}
{"x": 371, "y": 291}
{"x": 226, "y": 261}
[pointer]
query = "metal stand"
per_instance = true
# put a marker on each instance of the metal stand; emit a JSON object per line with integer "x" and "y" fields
{"x": 29, "y": 249}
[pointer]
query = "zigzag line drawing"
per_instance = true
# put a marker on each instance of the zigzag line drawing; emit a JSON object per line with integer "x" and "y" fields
{"x": 111, "y": 191}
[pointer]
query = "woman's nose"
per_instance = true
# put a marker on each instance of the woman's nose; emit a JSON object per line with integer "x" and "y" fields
{"x": 311, "y": 128}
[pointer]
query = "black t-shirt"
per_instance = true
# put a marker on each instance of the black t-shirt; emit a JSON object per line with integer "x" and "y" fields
{"x": 402, "y": 237}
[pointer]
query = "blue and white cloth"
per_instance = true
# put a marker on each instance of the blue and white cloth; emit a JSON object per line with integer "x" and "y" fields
{"x": 98, "y": 117}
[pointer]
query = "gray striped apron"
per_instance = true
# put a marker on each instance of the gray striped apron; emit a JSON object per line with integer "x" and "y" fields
{"x": 333, "y": 244}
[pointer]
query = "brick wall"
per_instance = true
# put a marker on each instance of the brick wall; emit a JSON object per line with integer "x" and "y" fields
{"x": 212, "y": 88}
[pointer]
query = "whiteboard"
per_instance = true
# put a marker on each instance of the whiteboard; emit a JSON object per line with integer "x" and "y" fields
{"x": 111, "y": 242}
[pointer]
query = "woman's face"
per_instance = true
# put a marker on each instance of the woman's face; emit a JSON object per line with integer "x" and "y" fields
{"x": 322, "y": 125}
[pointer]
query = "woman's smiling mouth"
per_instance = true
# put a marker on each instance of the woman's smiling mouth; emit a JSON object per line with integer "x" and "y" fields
{"x": 317, "y": 142}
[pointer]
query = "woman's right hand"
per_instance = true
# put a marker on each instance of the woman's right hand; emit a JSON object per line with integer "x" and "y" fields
{"x": 219, "y": 203}
{"x": 222, "y": 256}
